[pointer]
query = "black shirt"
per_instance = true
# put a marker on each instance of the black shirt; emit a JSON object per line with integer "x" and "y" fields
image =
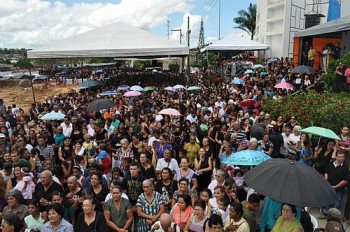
{"x": 337, "y": 174}
{"x": 39, "y": 192}
{"x": 99, "y": 224}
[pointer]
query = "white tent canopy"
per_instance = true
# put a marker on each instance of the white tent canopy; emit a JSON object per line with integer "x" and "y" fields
{"x": 114, "y": 40}
{"x": 235, "y": 42}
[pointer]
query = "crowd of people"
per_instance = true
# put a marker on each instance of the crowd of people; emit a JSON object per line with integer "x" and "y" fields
{"x": 129, "y": 168}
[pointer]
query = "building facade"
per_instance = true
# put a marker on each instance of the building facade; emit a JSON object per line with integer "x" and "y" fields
{"x": 278, "y": 20}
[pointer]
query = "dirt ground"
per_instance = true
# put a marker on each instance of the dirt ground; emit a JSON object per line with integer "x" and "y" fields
{"x": 11, "y": 93}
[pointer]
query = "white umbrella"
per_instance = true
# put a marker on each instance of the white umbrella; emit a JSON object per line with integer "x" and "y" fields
{"x": 53, "y": 116}
{"x": 179, "y": 87}
{"x": 136, "y": 88}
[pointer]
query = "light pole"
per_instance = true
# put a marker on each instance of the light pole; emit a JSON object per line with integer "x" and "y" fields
{"x": 179, "y": 30}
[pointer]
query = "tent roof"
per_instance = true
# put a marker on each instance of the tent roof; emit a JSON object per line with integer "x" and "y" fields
{"x": 235, "y": 42}
{"x": 114, "y": 40}
{"x": 341, "y": 24}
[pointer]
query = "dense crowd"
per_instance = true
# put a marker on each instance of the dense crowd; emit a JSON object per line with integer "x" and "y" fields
{"x": 129, "y": 168}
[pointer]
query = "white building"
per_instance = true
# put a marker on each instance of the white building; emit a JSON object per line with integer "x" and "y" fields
{"x": 278, "y": 20}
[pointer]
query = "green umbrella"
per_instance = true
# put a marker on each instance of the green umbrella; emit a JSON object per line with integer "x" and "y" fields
{"x": 191, "y": 88}
{"x": 148, "y": 88}
{"x": 320, "y": 131}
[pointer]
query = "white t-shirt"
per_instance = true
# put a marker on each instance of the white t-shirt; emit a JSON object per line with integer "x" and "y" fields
{"x": 173, "y": 165}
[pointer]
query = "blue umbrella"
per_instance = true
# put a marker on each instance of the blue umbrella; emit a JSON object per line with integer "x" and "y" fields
{"x": 108, "y": 93}
{"x": 237, "y": 81}
{"x": 53, "y": 116}
{"x": 272, "y": 60}
{"x": 123, "y": 88}
{"x": 247, "y": 158}
{"x": 89, "y": 84}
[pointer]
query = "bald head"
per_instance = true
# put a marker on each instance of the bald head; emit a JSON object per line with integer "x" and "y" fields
{"x": 165, "y": 221}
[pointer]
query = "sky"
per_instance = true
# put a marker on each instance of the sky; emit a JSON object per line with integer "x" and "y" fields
{"x": 33, "y": 23}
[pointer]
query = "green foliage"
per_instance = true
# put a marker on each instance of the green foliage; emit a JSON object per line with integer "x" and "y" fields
{"x": 100, "y": 60}
{"x": 23, "y": 63}
{"x": 174, "y": 67}
{"x": 246, "y": 20}
{"x": 333, "y": 64}
{"x": 327, "y": 109}
{"x": 142, "y": 63}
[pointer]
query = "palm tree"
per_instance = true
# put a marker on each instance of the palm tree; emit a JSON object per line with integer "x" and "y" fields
{"x": 247, "y": 20}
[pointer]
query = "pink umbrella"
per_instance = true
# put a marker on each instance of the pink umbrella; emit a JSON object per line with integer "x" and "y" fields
{"x": 170, "y": 111}
{"x": 132, "y": 94}
{"x": 284, "y": 85}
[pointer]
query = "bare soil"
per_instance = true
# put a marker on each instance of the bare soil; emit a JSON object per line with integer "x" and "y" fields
{"x": 12, "y": 93}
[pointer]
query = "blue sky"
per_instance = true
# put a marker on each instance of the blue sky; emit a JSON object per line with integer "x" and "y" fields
{"x": 27, "y": 23}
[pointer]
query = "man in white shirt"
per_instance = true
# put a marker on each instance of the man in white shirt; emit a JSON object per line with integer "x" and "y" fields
{"x": 67, "y": 126}
{"x": 192, "y": 117}
{"x": 288, "y": 142}
{"x": 166, "y": 162}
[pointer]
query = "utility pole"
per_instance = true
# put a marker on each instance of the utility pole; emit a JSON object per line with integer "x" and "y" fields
{"x": 219, "y": 19}
{"x": 168, "y": 28}
{"x": 179, "y": 30}
{"x": 188, "y": 43}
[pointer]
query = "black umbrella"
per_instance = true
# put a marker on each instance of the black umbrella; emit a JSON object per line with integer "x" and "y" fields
{"x": 303, "y": 69}
{"x": 100, "y": 104}
{"x": 291, "y": 182}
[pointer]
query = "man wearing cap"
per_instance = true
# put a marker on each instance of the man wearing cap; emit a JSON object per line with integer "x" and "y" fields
{"x": 334, "y": 221}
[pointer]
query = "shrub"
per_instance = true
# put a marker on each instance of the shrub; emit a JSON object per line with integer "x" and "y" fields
{"x": 329, "y": 77}
{"x": 327, "y": 109}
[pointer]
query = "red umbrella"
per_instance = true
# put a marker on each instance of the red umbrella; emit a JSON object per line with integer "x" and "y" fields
{"x": 252, "y": 57}
{"x": 248, "y": 102}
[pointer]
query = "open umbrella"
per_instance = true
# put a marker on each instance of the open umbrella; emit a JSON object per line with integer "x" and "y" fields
{"x": 237, "y": 81}
{"x": 136, "y": 88}
{"x": 148, "y": 88}
{"x": 108, "y": 93}
{"x": 89, "y": 84}
{"x": 249, "y": 71}
{"x": 169, "y": 88}
{"x": 320, "y": 131}
{"x": 170, "y": 111}
{"x": 258, "y": 66}
{"x": 252, "y": 57}
{"x": 248, "y": 102}
{"x": 288, "y": 181}
{"x": 247, "y": 158}
{"x": 303, "y": 69}
{"x": 100, "y": 104}
{"x": 192, "y": 88}
{"x": 179, "y": 87}
{"x": 272, "y": 60}
{"x": 53, "y": 116}
{"x": 132, "y": 94}
{"x": 123, "y": 88}
{"x": 284, "y": 85}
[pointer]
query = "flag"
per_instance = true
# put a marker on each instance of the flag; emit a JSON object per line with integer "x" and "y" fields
{"x": 333, "y": 10}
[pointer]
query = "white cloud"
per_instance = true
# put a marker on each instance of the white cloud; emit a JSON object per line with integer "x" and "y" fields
{"x": 195, "y": 22}
{"x": 30, "y": 23}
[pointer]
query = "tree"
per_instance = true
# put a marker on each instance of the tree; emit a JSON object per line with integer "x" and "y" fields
{"x": 247, "y": 20}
